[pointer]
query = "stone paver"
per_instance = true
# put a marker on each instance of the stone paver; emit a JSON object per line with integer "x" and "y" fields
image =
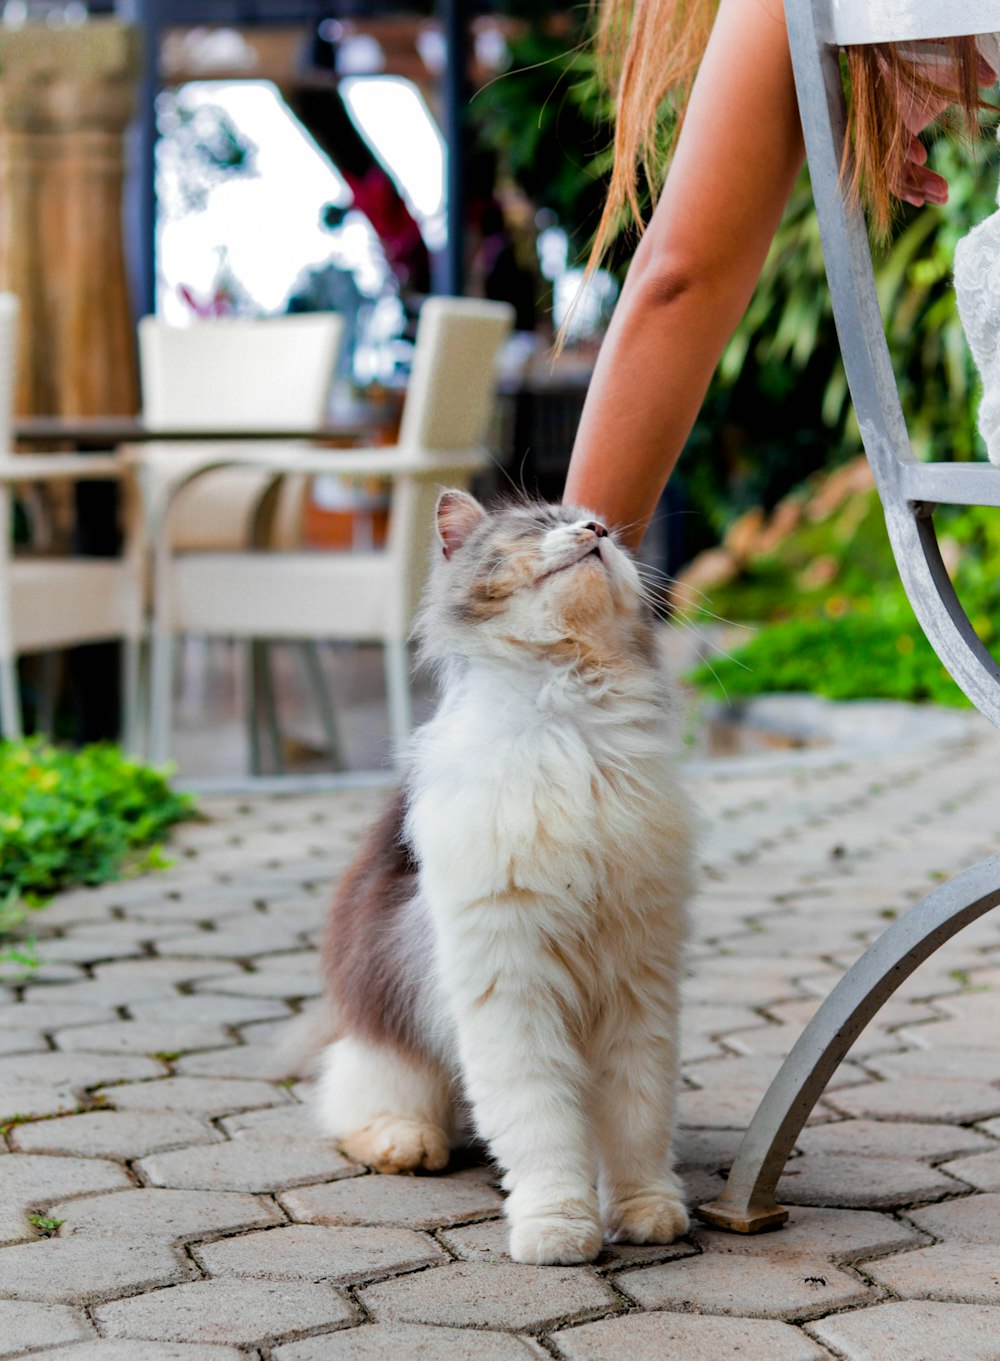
{"x": 653, "y": 1337}
{"x": 108, "y": 1349}
{"x": 112, "y": 1134}
{"x": 500, "y": 1295}
{"x": 246, "y": 1313}
{"x": 165, "y": 1215}
{"x": 415, "y": 1202}
{"x": 375, "y": 1343}
{"x": 914, "y": 1329}
{"x": 832, "y": 1235}
{"x": 313, "y": 1252}
{"x": 723, "y": 1283}
{"x": 208, "y": 1098}
{"x": 67, "y": 1270}
{"x": 874, "y": 1183}
{"x": 24, "y": 1326}
{"x": 205, "y": 1216}
{"x": 250, "y": 1162}
{"x": 974, "y": 1219}
{"x": 949, "y": 1271}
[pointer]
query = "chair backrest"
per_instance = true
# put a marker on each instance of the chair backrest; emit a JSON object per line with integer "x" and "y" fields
{"x": 452, "y": 384}
{"x": 448, "y": 405}
{"x": 239, "y": 373}
{"x": 854, "y": 22}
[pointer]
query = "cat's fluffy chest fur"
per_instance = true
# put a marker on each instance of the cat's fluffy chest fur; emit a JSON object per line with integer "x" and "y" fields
{"x": 528, "y": 936}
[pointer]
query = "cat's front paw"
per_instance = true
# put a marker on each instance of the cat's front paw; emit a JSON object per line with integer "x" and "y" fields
{"x": 392, "y": 1144}
{"x": 648, "y": 1217}
{"x": 555, "y": 1240}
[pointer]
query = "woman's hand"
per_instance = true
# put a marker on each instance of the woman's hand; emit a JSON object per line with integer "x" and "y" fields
{"x": 919, "y": 184}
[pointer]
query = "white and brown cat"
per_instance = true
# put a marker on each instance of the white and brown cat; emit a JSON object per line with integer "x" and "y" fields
{"x": 503, "y": 955}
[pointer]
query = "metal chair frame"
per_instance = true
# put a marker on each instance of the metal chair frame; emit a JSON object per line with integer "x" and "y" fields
{"x": 910, "y": 492}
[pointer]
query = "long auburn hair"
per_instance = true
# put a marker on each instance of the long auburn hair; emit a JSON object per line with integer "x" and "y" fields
{"x": 648, "y": 51}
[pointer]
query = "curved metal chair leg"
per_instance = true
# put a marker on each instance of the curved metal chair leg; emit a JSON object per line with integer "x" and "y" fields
{"x": 747, "y": 1205}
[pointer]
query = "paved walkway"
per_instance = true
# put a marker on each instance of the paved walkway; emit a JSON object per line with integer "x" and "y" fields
{"x": 154, "y": 1186}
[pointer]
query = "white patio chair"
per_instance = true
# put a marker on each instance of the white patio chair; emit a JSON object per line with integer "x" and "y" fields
{"x": 356, "y": 596}
{"x": 910, "y": 492}
{"x": 237, "y": 374}
{"x": 52, "y": 602}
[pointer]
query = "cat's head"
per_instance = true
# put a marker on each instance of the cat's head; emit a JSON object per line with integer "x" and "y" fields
{"x": 548, "y": 580}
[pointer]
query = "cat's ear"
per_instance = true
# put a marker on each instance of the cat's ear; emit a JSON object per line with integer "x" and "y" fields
{"x": 457, "y": 515}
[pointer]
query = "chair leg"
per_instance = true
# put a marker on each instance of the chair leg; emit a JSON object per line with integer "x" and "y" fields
{"x": 747, "y": 1205}
{"x": 45, "y": 721}
{"x": 309, "y": 652}
{"x": 131, "y": 692}
{"x": 161, "y": 696}
{"x": 262, "y": 708}
{"x": 11, "y": 726}
{"x": 397, "y": 681}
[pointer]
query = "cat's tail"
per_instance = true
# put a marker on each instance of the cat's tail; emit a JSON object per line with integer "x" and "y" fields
{"x": 301, "y": 1041}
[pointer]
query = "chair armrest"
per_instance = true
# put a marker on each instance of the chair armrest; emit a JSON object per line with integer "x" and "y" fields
{"x": 384, "y": 463}
{"x": 72, "y": 467}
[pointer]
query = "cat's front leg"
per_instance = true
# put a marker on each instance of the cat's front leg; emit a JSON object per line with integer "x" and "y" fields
{"x": 634, "y": 1101}
{"x": 526, "y": 1085}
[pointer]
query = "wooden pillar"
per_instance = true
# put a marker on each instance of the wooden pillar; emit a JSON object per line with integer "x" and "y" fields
{"x": 66, "y": 99}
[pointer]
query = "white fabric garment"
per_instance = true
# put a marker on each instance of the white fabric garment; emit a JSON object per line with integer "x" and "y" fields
{"x": 977, "y": 290}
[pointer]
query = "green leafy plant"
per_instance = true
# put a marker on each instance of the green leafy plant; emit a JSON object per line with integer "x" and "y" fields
{"x": 45, "y": 1224}
{"x": 834, "y": 618}
{"x": 74, "y": 817}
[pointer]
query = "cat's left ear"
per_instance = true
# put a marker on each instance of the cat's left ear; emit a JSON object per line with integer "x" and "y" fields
{"x": 457, "y": 516}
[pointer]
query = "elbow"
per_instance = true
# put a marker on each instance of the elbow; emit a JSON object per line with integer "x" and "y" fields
{"x": 657, "y": 281}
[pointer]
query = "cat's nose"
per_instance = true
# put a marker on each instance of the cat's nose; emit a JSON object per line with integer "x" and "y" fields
{"x": 598, "y": 529}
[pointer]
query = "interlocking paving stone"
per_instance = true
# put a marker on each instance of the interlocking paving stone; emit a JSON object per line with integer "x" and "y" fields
{"x": 134, "y": 973}
{"x": 210, "y": 1008}
{"x": 874, "y": 1183}
{"x": 956, "y": 1101}
{"x": 246, "y": 1313}
{"x": 411, "y": 1202}
{"x": 238, "y": 939}
{"x": 722, "y": 1107}
{"x": 209, "y": 1097}
{"x": 267, "y": 982}
{"x": 59, "y": 1073}
{"x": 913, "y": 1329}
{"x": 755, "y": 1072}
{"x": 236, "y": 1060}
{"x": 830, "y": 1235}
{"x": 53, "y": 1014}
{"x": 22, "y": 1042}
{"x": 293, "y": 1120}
{"x": 107, "y": 1349}
{"x": 973, "y": 1219}
{"x": 687, "y": 1337}
{"x": 722, "y": 1283}
{"x": 143, "y": 1037}
{"x": 377, "y": 1343}
{"x": 69, "y": 1270}
{"x": 168, "y": 1215}
{"x": 315, "y": 1253}
{"x": 31, "y": 1180}
{"x": 488, "y": 1242}
{"x": 24, "y": 1326}
{"x": 937, "y": 1062}
{"x": 112, "y": 1134}
{"x": 982, "y": 1170}
{"x": 964, "y": 1272}
{"x": 248, "y": 1163}
{"x": 892, "y": 1139}
{"x": 494, "y": 1295}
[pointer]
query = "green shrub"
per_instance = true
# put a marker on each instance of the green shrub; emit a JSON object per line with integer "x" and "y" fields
{"x": 74, "y": 817}
{"x": 77, "y": 817}
{"x": 848, "y": 631}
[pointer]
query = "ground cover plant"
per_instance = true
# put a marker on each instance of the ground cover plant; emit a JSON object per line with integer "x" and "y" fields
{"x": 70, "y": 817}
{"x": 834, "y": 618}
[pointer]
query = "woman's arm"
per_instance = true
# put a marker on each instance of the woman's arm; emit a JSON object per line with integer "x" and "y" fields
{"x": 695, "y": 268}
